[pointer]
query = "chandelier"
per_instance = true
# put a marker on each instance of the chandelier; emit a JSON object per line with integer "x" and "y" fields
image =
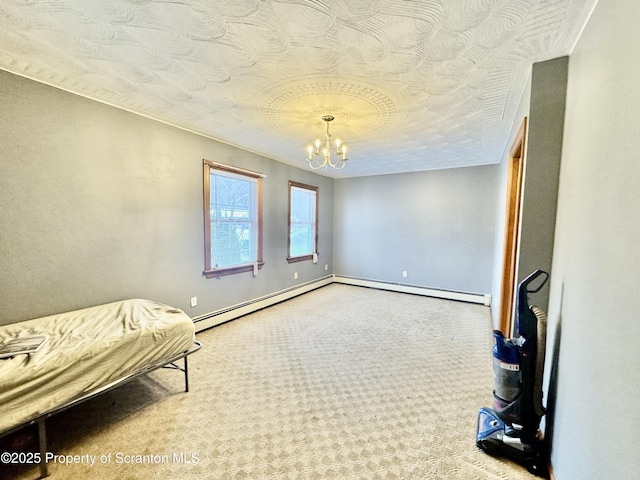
{"x": 328, "y": 156}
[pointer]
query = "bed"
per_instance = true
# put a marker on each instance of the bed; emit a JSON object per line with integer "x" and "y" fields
{"x": 87, "y": 352}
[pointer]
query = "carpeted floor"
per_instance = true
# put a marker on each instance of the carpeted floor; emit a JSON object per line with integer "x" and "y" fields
{"x": 341, "y": 383}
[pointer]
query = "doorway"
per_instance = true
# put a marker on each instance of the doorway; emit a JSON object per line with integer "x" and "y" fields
{"x": 512, "y": 230}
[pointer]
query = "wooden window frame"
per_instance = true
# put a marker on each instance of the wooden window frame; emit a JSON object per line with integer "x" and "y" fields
{"x": 302, "y": 258}
{"x": 209, "y": 271}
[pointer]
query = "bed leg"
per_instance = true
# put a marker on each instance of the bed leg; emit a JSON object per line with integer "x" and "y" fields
{"x": 186, "y": 375}
{"x": 42, "y": 440}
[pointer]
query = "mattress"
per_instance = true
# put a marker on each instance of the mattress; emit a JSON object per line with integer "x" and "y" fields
{"x": 85, "y": 350}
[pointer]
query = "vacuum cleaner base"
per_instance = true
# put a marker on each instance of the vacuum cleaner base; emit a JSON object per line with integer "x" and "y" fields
{"x": 501, "y": 440}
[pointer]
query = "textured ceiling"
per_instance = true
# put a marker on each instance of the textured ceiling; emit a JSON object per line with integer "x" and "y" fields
{"x": 413, "y": 85}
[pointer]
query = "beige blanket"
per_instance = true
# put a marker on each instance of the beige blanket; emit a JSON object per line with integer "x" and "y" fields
{"x": 86, "y": 350}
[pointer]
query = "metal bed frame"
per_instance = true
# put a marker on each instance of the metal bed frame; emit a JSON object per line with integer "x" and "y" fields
{"x": 41, "y": 418}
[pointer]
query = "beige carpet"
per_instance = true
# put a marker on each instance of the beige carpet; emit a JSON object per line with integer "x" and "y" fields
{"x": 341, "y": 383}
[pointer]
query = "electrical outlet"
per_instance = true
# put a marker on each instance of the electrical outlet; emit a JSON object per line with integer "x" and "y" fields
{"x": 326, "y": 267}
{"x": 404, "y": 274}
{"x": 194, "y": 302}
{"x": 295, "y": 275}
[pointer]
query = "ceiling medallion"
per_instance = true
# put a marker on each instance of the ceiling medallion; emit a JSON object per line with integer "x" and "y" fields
{"x": 294, "y": 106}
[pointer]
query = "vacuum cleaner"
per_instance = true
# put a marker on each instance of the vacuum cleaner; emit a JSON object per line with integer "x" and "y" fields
{"x": 511, "y": 427}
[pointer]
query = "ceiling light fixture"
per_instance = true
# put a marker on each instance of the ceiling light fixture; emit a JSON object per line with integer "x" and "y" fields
{"x": 327, "y": 157}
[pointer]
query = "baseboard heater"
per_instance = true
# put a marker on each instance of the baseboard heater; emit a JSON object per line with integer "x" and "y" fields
{"x": 480, "y": 298}
{"x": 223, "y": 315}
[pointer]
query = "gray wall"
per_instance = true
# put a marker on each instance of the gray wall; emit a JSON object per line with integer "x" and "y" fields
{"x": 438, "y": 226}
{"x": 594, "y": 312}
{"x": 542, "y": 168}
{"x": 98, "y": 204}
{"x": 543, "y": 103}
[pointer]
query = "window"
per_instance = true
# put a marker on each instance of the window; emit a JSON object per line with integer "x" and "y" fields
{"x": 303, "y": 222}
{"x": 232, "y": 220}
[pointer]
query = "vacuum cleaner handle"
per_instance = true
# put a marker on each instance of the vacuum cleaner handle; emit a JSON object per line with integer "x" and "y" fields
{"x": 525, "y": 283}
{"x": 525, "y": 319}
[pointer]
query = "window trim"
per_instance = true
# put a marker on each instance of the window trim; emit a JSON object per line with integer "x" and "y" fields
{"x": 302, "y": 258}
{"x": 210, "y": 272}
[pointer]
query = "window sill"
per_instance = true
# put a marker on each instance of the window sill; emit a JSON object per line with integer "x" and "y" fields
{"x": 299, "y": 259}
{"x": 221, "y": 272}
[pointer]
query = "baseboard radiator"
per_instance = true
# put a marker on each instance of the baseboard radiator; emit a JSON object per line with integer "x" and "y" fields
{"x": 223, "y": 315}
{"x": 483, "y": 299}
{"x": 226, "y": 314}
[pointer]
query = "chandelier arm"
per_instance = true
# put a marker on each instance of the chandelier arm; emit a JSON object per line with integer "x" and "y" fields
{"x": 342, "y": 165}
{"x": 339, "y": 163}
{"x": 315, "y": 162}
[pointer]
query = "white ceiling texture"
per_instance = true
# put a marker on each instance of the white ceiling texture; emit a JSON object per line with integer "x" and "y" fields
{"x": 413, "y": 85}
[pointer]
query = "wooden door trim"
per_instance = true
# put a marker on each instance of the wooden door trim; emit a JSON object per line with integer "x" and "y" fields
{"x": 512, "y": 229}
